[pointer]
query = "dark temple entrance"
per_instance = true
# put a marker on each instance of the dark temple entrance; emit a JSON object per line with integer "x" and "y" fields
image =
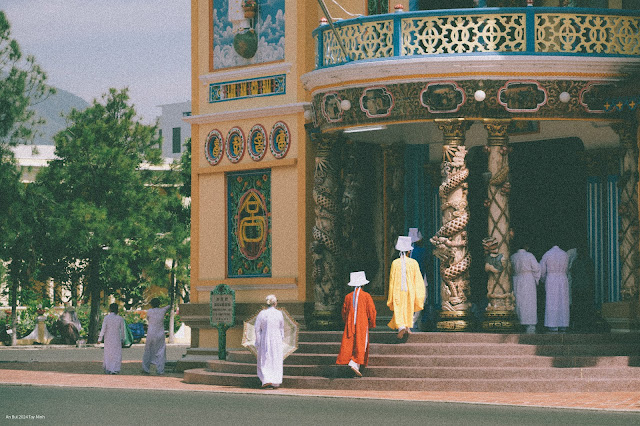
{"x": 547, "y": 202}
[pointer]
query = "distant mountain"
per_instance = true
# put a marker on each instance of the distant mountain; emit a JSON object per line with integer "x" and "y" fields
{"x": 52, "y": 110}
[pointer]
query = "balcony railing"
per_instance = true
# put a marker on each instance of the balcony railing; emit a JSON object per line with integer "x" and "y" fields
{"x": 505, "y": 31}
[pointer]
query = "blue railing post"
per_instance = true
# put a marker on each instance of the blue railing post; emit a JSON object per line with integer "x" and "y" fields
{"x": 530, "y": 28}
{"x": 320, "y": 44}
{"x": 397, "y": 34}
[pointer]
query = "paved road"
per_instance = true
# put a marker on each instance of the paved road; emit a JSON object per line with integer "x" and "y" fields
{"x": 70, "y": 406}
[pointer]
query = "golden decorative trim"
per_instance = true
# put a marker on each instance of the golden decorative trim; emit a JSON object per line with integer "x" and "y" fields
{"x": 247, "y": 166}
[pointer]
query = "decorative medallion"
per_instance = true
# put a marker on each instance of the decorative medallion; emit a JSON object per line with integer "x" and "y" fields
{"x": 442, "y": 97}
{"x": 257, "y": 142}
{"x": 249, "y": 218}
{"x": 592, "y": 97}
{"x": 214, "y": 147}
{"x": 331, "y": 108}
{"x": 522, "y": 96}
{"x": 376, "y": 102}
{"x": 235, "y": 144}
{"x": 279, "y": 140}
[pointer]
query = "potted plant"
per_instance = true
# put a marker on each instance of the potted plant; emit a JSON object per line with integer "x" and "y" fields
{"x": 249, "y": 7}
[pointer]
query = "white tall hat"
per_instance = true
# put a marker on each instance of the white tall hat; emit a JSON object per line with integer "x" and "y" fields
{"x": 404, "y": 243}
{"x": 415, "y": 234}
{"x": 357, "y": 279}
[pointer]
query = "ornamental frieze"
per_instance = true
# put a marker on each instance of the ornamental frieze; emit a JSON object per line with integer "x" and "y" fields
{"x": 376, "y": 102}
{"x": 593, "y": 96}
{"x": 523, "y": 96}
{"x": 491, "y": 99}
{"x": 442, "y": 97}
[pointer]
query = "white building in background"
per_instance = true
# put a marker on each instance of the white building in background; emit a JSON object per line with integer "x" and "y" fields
{"x": 173, "y": 129}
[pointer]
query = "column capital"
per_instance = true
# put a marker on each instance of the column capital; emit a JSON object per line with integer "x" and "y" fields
{"x": 453, "y": 130}
{"x": 497, "y": 130}
{"x": 627, "y": 133}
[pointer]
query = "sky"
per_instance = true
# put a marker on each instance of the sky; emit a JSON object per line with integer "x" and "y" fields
{"x": 89, "y": 46}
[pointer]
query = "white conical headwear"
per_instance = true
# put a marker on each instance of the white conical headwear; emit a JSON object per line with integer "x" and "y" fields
{"x": 358, "y": 279}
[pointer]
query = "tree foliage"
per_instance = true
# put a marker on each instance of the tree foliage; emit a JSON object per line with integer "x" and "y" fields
{"x": 104, "y": 204}
{"x": 22, "y": 83}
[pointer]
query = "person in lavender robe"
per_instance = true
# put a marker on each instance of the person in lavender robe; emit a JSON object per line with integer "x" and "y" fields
{"x": 112, "y": 333}
{"x": 155, "y": 348}
{"x": 269, "y": 330}
{"x": 553, "y": 271}
{"x": 525, "y": 276}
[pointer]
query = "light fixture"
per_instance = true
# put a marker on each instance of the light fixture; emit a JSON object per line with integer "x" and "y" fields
{"x": 364, "y": 128}
{"x": 307, "y": 115}
{"x": 564, "y": 97}
{"x": 480, "y": 95}
{"x": 345, "y": 104}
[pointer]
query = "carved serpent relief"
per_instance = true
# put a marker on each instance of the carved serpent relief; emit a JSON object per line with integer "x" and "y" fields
{"x": 451, "y": 239}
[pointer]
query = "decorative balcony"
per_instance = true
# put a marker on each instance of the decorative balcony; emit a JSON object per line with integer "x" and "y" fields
{"x": 527, "y": 31}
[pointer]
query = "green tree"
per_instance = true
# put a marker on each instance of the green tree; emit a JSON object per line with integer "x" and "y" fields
{"x": 22, "y": 84}
{"x": 172, "y": 250}
{"x": 102, "y": 221}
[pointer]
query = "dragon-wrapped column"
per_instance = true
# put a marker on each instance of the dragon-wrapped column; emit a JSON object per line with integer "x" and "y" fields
{"x": 499, "y": 315}
{"x": 450, "y": 241}
{"x": 628, "y": 212}
{"x": 325, "y": 251}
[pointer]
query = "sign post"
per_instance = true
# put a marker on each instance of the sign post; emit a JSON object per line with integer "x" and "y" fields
{"x": 223, "y": 315}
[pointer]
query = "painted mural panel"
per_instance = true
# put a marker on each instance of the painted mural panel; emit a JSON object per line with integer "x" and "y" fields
{"x": 247, "y": 32}
{"x": 249, "y": 219}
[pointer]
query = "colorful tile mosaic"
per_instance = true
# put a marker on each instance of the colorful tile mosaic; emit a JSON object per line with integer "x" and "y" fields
{"x": 250, "y": 88}
{"x": 214, "y": 147}
{"x": 235, "y": 144}
{"x": 257, "y": 142}
{"x": 279, "y": 140}
{"x": 249, "y": 218}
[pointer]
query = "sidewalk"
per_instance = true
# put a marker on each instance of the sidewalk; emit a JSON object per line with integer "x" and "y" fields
{"x": 82, "y": 367}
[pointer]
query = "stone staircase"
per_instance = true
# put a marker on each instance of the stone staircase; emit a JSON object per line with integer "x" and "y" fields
{"x": 463, "y": 362}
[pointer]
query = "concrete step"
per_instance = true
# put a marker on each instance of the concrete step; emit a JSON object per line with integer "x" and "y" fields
{"x": 487, "y": 373}
{"x": 385, "y": 336}
{"x": 444, "y": 361}
{"x": 476, "y": 361}
{"x": 482, "y": 348}
{"x": 202, "y": 376}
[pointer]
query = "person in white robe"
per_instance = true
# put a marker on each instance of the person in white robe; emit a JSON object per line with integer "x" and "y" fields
{"x": 269, "y": 330}
{"x": 155, "y": 348}
{"x": 553, "y": 269}
{"x": 112, "y": 333}
{"x": 525, "y": 276}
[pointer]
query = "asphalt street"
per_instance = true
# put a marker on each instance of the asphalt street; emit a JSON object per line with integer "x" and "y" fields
{"x": 71, "y": 406}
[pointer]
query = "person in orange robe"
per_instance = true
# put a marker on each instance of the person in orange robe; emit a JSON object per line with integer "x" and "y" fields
{"x": 358, "y": 313}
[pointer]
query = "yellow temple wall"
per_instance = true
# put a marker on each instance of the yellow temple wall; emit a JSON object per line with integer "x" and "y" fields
{"x": 291, "y": 176}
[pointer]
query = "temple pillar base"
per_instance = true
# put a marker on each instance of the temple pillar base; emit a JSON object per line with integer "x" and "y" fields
{"x": 455, "y": 321}
{"x": 500, "y": 321}
{"x": 622, "y": 316}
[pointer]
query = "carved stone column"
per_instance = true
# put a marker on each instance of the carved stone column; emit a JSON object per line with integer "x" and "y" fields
{"x": 325, "y": 250}
{"x": 451, "y": 239}
{"x": 499, "y": 314}
{"x": 628, "y": 213}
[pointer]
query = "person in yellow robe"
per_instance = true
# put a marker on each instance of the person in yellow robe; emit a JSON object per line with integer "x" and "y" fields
{"x": 406, "y": 288}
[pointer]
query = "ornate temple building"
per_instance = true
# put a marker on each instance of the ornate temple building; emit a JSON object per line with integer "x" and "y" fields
{"x": 323, "y": 130}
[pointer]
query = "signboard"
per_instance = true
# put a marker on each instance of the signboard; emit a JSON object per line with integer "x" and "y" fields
{"x": 223, "y": 306}
{"x": 223, "y": 314}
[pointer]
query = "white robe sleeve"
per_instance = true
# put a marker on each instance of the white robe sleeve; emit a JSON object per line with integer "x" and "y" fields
{"x": 101, "y": 336}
